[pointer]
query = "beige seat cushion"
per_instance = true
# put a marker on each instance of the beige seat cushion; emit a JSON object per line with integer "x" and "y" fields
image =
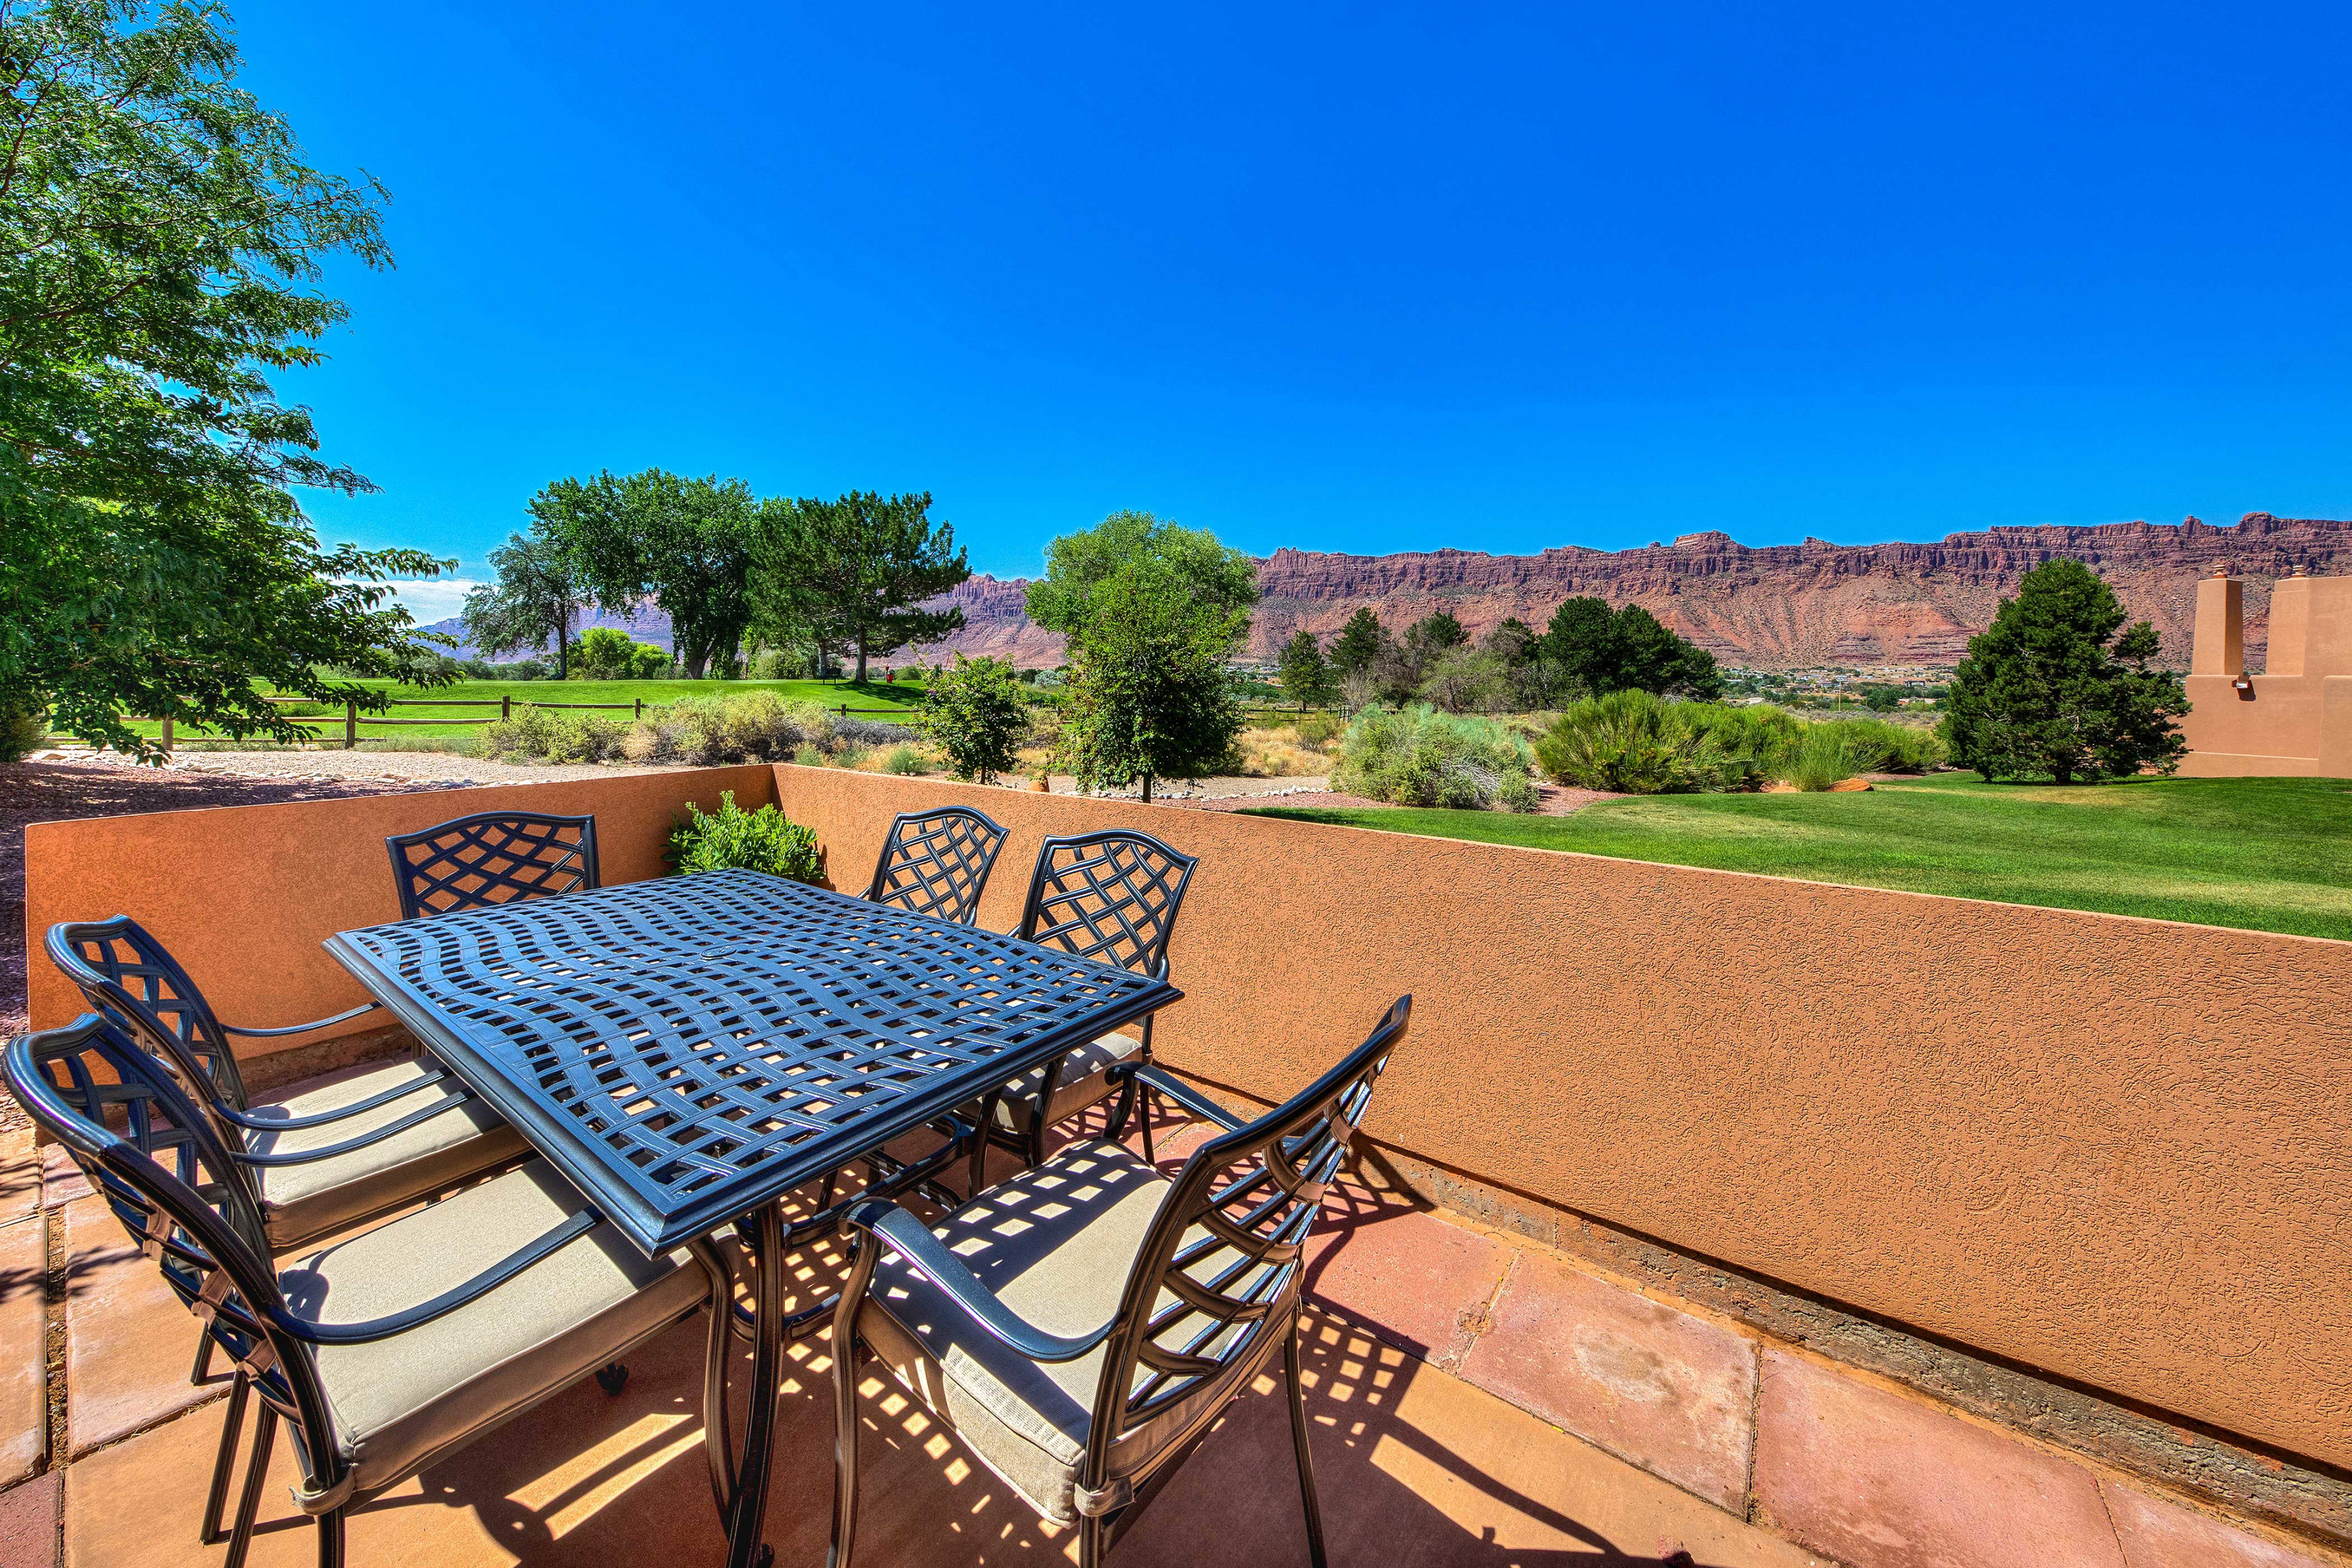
{"x": 1056, "y": 1244}
{"x": 302, "y": 1202}
{"x": 1084, "y": 1081}
{"x": 400, "y": 1401}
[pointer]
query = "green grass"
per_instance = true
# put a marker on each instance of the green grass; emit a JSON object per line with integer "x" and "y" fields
{"x": 2263, "y": 854}
{"x": 831, "y": 693}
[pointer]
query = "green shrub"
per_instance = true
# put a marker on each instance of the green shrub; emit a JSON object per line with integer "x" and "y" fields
{"x": 907, "y": 762}
{"x": 1631, "y": 742}
{"x": 21, "y": 731}
{"x": 547, "y": 735}
{"x": 974, "y": 713}
{"x": 732, "y": 838}
{"x": 1749, "y": 742}
{"x": 1319, "y": 730}
{"x": 1418, "y": 756}
{"x": 1838, "y": 749}
{"x": 808, "y": 757}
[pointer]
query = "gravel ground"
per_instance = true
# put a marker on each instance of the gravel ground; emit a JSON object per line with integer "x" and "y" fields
{"x": 445, "y": 769}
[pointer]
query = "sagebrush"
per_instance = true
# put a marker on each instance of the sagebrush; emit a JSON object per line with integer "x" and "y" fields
{"x": 1418, "y": 756}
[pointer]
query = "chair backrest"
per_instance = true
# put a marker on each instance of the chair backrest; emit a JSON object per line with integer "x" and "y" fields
{"x": 125, "y": 974}
{"x": 1219, "y": 1276}
{"x": 935, "y": 862}
{"x": 121, "y": 1114}
{"x": 491, "y": 858}
{"x": 1113, "y": 895}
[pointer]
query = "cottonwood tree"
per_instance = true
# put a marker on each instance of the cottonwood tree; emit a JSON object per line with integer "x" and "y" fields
{"x": 852, "y": 573}
{"x": 1222, "y": 580}
{"x": 531, "y": 603}
{"x": 685, "y": 544}
{"x": 2051, "y": 689}
{"x": 1305, "y": 674}
{"x": 160, "y": 241}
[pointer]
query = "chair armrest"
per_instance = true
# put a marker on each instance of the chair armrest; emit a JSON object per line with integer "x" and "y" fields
{"x": 297, "y": 1124}
{"x": 303, "y": 1028}
{"x": 1190, "y": 1099}
{"x": 449, "y": 1300}
{"x": 305, "y": 1156}
{"x": 912, "y": 1240}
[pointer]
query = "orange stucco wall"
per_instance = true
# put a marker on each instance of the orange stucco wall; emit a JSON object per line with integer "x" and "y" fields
{"x": 2294, "y": 718}
{"x": 2110, "y": 1149}
{"x": 245, "y": 894}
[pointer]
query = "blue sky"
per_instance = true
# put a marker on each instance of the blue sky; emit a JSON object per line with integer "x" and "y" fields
{"x": 1343, "y": 278}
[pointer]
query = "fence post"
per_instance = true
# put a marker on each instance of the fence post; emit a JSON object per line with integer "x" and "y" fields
{"x": 350, "y": 723}
{"x": 640, "y": 711}
{"x": 506, "y": 706}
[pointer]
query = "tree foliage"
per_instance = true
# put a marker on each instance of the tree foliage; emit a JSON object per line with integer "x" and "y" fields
{"x": 1222, "y": 581}
{"x": 1359, "y": 645}
{"x": 161, "y": 237}
{"x": 973, "y": 712}
{"x": 2049, "y": 688}
{"x": 1596, "y": 650}
{"x": 531, "y": 603}
{"x": 1305, "y": 674}
{"x": 608, "y": 653}
{"x": 852, "y": 573}
{"x": 684, "y": 542}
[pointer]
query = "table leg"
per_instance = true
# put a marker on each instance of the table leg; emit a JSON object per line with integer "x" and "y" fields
{"x": 745, "y": 1549}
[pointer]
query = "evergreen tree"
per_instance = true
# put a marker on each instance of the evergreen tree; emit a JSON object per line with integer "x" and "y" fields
{"x": 1306, "y": 675}
{"x": 1598, "y": 650}
{"x": 2050, "y": 690}
{"x": 1359, "y": 645}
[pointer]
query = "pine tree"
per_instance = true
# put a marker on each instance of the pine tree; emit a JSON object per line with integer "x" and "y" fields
{"x": 2050, "y": 690}
{"x": 1306, "y": 675}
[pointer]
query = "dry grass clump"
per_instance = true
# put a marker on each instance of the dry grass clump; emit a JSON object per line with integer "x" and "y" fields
{"x": 701, "y": 732}
{"x": 1285, "y": 752}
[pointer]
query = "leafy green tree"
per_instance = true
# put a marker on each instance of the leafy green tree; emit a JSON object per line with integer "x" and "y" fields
{"x": 2050, "y": 687}
{"x": 1465, "y": 681}
{"x": 1306, "y": 675}
{"x": 1359, "y": 645}
{"x": 1222, "y": 581}
{"x": 973, "y": 712}
{"x": 853, "y": 573}
{"x": 1149, "y": 695}
{"x": 530, "y": 605}
{"x": 1598, "y": 650}
{"x": 608, "y": 653}
{"x": 160, "y": 241}
{"x": 686, "y": 543}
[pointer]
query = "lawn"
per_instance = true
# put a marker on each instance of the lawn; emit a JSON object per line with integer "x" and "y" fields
{"x": 421, "y": 704}
{"x": 2263, "y": 854}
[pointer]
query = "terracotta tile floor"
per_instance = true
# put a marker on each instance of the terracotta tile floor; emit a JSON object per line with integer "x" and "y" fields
{"x": 1415, "y": 1465}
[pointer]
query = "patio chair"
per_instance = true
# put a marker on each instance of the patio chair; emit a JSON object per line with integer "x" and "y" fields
{"x": 1081, "y": 1325}
{"x": 491, "y": 858}
{"x": 1114, "y": 895}
{"x": 446, "y": 1322}
{"x": 935, "y": 862}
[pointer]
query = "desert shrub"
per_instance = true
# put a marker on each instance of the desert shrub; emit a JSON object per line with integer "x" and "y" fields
{"x": 1826, "y": 753}
{"x": 907, "y": 762}
{"x": 21, "y": 730}
{"x": 1749, "y": 742}
{"x": 974, "y": 713}
{"x": 1517, "y": 792}
{"x": 1316, "y": 730}
{"x": 547, "y": 735}
{"x": 870, "y": 733}
{"x": 1418, "y": 756}
{"x": 1277, "y": 754}
{"x": 1631, "y": 743}
{"x": 853, "y": 755}
{"x": 732, "y": 838}
{"x": 809, "y": 757}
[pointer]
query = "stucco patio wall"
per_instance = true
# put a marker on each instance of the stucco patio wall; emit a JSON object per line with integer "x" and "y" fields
{"x": 2109, "y": 1149}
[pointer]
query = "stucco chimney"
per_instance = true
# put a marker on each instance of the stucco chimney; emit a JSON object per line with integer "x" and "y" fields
{"x": 2221, "y": 647}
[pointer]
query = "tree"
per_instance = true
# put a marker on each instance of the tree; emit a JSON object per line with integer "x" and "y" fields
{"x": 1526, "y": 671}
{"x": 2049, "y": 688}
{"x": 686, "y": 543}
{"x": 160, "y": 241}
{"x": 1222, "y": 581}
{"x": 1359, "y": 645}
{"x": 532, "y": 604}
{"x": 607, "y": 653}
{"x": 973, "y": 712}
{"x": 1149, "y": 696}
{"x": 852, "y": 573}
{"x": 1431, "y": 635}
{"x": 1305, "y": 677}
{"x": 1598, "y": 650}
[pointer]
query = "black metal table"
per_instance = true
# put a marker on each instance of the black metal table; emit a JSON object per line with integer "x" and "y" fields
{"x": 689, "y": 1049}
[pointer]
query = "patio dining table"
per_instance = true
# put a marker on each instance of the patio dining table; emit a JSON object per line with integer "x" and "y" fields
{"x": 688, "y": 1049}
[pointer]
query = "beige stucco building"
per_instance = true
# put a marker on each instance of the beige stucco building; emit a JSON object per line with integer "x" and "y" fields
{"x": 2294, "y": 718}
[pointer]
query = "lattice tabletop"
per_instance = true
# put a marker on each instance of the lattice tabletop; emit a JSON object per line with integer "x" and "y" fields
{"x": 686, "y": 1049}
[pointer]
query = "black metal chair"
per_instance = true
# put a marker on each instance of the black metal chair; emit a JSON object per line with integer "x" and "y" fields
{"x": 469, "y": 1311}
{"x": 491, "y": 858}
{"x": 935, "y": 862}
{"x": 1114, "y": 895}
{"x": 1081, "y": 1325}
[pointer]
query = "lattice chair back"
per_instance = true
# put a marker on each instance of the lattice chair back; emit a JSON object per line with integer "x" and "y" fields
{"x": 491, "y": 858}
{"x": 125, "y": 974}
{"x": 935, "y": 862}
{"x": 121, "y": 1115}
{"x": 1113, "y": 896}
{"x": 1215, "y": 1287}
